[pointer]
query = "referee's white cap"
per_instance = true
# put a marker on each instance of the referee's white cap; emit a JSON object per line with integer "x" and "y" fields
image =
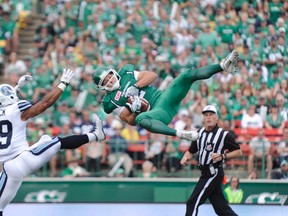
{"x": 210, "y": 108}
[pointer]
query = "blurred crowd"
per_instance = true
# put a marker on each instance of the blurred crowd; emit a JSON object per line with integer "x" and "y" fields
{"x": 166, "y": 37}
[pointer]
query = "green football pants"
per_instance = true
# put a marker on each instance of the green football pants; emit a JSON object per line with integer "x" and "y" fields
{"x": 157, "y": 119}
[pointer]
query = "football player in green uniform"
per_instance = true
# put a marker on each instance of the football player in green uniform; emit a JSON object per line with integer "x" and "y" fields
{"x": 163, "y": 105}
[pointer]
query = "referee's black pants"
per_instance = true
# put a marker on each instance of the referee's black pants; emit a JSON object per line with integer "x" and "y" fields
{"x": 209, "y": 187}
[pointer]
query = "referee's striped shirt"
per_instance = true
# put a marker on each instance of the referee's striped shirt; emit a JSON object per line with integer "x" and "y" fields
{"x": 215, "y": 141}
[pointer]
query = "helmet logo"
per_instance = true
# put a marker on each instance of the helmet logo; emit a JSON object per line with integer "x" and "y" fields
{"x": 6, "y": 90}
{"x": 7, "y": 95}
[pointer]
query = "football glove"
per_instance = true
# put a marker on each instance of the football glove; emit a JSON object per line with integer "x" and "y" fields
{"x": 132, "y": 90}
{"x": 135, "y": 106}
{"x": 22, "y": 81}
{"x": 67, "y": 76}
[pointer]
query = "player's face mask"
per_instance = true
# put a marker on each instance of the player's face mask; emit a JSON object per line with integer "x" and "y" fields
{"x": 109, "y": 80}
{"x": 8, "y": 95}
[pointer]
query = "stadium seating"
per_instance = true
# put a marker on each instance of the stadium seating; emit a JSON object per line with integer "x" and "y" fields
{"x": 246, "y": 134}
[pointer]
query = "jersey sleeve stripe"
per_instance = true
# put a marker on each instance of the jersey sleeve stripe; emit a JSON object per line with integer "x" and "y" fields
{"x": 23, "y": 102}
{"x": 23, "y": 105}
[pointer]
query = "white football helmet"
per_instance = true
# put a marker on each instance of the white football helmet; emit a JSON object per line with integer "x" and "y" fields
{"x": 99, "y": 76}
{"x": 8, "y": 95}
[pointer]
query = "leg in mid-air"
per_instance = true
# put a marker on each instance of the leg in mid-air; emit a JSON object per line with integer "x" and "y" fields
{"x": 75, "y": 141}
{"x": 15, "y": 170}
{"x": 157, "y": 119}
{"x": 46, "y": 148}
{"x": 181, "y": 85}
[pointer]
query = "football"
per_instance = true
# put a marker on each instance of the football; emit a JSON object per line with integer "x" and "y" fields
{"x": 145, "y": 106}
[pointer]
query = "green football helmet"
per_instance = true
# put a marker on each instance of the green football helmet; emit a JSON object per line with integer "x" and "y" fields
{"x": 99, "y": 75}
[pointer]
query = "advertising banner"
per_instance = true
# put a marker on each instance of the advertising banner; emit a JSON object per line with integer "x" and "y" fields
{"x": 107, "y": 190}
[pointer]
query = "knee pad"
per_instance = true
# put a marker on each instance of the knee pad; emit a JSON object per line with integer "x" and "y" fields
{"x": 145, "y": 123}
{"x": 45, "y": 138}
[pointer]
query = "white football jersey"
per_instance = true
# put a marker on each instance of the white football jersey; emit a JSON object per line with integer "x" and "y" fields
{"x": 13, "y": 130}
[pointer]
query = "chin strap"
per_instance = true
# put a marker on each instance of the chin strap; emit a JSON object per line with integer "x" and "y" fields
{"x": 18, "y": 93}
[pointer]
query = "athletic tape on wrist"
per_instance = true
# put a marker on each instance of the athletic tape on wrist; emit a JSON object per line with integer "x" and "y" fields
{"x": 62, "y": 86}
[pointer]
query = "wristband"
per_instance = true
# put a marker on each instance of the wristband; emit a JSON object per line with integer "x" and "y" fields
{"x": 136, "y": 86}
{"x": 224, "y": 157}
{"x": 18, "y": 93}
{"x": 62, "y": 86}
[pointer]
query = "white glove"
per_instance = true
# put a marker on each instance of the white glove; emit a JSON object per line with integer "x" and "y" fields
{"x": 22, "y": 81}
{"x": 135, "y": 107}
{"x": 67, "y": 76}
{"x": 132, "y": 90}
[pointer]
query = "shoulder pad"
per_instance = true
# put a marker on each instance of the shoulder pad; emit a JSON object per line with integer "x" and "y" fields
{"x": 127, "y": 68}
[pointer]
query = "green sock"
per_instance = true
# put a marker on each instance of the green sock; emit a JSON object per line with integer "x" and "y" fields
{"x": 156, "y": 126}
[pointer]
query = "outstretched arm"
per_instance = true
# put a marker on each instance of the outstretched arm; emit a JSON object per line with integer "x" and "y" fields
{"x": 50, "y": 98}
{"x": 42, "y": 105}
{"x": 145, "y": 78}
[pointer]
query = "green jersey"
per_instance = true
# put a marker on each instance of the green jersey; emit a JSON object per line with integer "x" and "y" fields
{"x": 275, "y": 11}
{"x": 272, "y": 54}
{"x": 113, "y": 100}
{"x": 138, "y": 30}
{"x": 71, "y": 16}
{"x": 164, "y": 106}
{"x": 226, "y": 33}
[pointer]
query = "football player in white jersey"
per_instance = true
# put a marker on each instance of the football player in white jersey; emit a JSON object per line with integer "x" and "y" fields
{"x": 17, "y": 158}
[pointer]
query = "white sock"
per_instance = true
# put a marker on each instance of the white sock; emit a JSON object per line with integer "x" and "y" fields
{"x": 92, "y": 137}
{"x": 178, "y": 133}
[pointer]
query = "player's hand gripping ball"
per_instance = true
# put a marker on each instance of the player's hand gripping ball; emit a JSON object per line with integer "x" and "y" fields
{"x": 145, "y": 106}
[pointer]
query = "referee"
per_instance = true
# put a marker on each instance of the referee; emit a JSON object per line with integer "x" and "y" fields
{"x": 211, "y": 145}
